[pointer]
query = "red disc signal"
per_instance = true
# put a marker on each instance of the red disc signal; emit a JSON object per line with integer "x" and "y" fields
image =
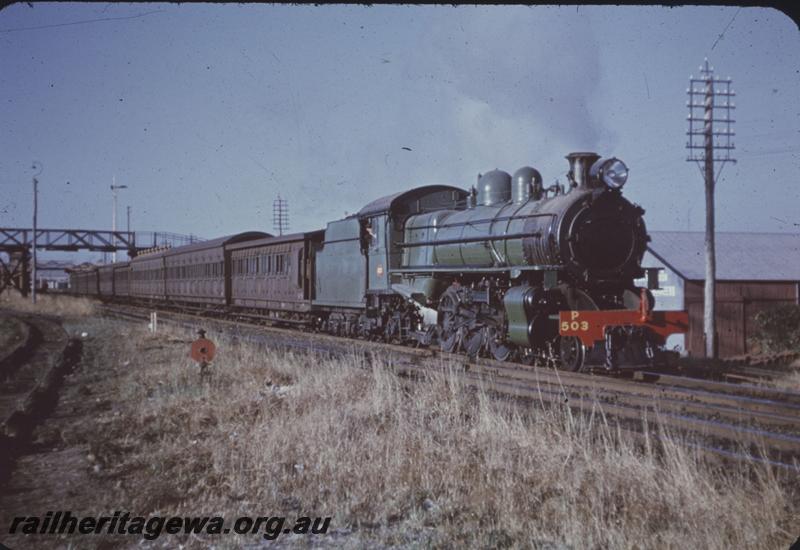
{"x": 203, "y": 350}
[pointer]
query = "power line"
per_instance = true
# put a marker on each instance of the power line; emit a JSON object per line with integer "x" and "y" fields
{"x": 725, "y": 29}
{"x": 54, "y": 25}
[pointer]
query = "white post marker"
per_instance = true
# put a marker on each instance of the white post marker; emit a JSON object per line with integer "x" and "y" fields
{"x": 153, "y": 326}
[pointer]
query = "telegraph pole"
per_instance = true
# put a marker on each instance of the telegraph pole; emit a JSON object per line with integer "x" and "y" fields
{"x": 280, "y": 215}
{"x": 114, "y": 189}
{"x": 35, "y": 212}
{"x": 704, "y": 148}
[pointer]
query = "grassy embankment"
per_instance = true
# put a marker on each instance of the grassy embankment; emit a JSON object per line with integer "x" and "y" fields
{"x": 50, "y": 304}
{"x": 428, "y": 463}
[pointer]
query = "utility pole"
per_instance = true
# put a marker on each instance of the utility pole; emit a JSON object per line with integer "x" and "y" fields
{"x": 131, "y": 240}
{"x": 114, "y": 189}
{"x": 280, "y": 215}
{"x": 35, "y": 212}
{"x": 708, "y": 146}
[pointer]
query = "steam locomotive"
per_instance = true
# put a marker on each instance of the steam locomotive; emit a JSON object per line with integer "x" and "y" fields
{"x": 508, "y": 269}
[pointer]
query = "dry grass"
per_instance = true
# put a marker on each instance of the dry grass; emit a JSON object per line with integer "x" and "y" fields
{"x": 789, "y": 381}
{"x": 12, "y": 332}
{"x": 430, "y": 464}
{"x": 785, "y": 377}
{"x": 52, "y": 304}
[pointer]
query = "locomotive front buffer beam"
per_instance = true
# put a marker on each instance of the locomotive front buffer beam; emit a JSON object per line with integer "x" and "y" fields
{"x": 611, "y": 327}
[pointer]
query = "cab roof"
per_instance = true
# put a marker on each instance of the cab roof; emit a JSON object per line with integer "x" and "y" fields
{"x": 391, "y": 202}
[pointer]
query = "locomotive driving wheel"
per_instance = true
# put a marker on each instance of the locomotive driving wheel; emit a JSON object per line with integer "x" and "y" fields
{"x": 500, "y": 350}
{"x": 474, "y": 342}
{"x": 572, "y": 353}
{"x": 448, "y": 320}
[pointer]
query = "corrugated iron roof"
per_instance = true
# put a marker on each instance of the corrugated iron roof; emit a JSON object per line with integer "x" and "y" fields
{"x": 740, "y": 256}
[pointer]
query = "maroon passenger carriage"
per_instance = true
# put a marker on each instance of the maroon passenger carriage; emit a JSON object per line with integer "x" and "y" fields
{"x": 147, "y": 277}
{"x": 273, "y": 277}
{"x": 198, "y": 273}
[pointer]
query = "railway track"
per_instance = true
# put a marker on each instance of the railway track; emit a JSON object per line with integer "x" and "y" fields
{"x": 728, "y": 420}
{"x": 30, "y": 377}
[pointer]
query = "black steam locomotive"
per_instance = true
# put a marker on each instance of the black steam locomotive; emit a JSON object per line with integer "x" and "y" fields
{"x": 508, "y": 269}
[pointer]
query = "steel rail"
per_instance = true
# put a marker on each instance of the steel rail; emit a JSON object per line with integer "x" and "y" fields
{"x": 669, "y": 403}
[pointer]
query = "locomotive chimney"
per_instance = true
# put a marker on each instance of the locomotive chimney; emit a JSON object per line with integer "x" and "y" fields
{"x": 579, "y": 165}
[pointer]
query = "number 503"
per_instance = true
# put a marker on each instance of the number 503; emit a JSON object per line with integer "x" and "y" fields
{"x": 574, "y": 325}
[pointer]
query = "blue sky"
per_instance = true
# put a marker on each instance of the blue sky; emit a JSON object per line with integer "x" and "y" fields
{"x": 208, "y": 112}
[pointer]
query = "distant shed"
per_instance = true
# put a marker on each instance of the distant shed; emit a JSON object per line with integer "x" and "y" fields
{"x": 755, "y": 271}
